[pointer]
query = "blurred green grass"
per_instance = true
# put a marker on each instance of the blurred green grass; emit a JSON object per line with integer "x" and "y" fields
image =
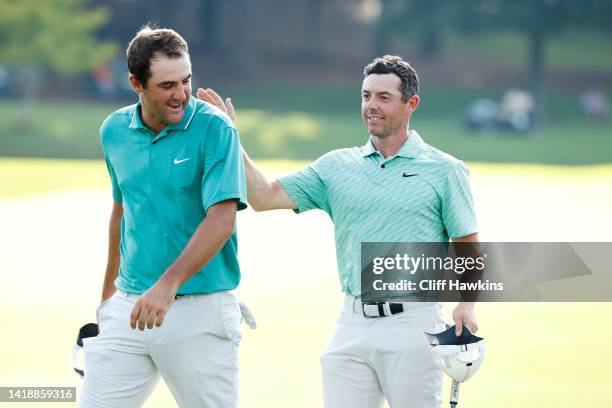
{"x": 303, "y": 121}
{"x": 21, "y": 177}
{"x": 26, "y": 177}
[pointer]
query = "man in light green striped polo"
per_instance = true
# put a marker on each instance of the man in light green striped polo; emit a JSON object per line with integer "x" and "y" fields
{"x": 395, "y": 188}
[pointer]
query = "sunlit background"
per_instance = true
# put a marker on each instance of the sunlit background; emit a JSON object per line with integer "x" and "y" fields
{"x": 520, "y": 90}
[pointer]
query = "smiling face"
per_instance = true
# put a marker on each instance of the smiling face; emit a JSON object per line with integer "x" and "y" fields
{"x": 167, "y": 92}
{"x": 382, "y": 109}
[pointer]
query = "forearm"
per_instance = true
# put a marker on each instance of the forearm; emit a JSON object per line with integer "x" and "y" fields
{"x": 258, "y": 185}
{"x": 468, "y": 247}
{"x": 464, "y": 312}
{"x": 113, "y": 257}
{"x": 262, "y": 193}
{"x": 207, "y": 240}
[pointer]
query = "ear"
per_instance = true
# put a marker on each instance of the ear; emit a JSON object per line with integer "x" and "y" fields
{"x": 413, "y": 103}
{"x": 135, "y": 83}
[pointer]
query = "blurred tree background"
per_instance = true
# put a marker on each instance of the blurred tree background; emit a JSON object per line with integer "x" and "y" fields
{"x": 293, "y": 69}
{"x": 431, "y": 22}
{"x": 38, "y": 37}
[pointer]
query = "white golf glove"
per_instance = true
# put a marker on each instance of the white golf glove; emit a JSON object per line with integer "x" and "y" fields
{"x": 248, "y": 316}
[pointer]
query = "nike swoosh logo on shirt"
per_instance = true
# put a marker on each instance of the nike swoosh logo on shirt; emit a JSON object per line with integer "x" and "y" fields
{"x": 177, "y": 161}
{"x": 409, "y": 175}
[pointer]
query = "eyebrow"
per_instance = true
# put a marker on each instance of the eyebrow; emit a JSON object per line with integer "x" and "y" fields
{"x": 363, "y": 91}
{"x": 173, "y": 82}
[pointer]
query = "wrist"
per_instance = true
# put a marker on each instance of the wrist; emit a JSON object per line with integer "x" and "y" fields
{"x": 170, "y": 281}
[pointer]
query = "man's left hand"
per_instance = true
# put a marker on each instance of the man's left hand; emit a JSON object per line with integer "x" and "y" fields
{"x": 464, "y": 314}
{"x": 152, "y": 307}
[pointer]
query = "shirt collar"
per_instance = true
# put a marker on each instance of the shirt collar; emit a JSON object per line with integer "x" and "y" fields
{"x": 410, "y": 149}
{"x": 368, "y": 149}
{"x": 136, "y": 122}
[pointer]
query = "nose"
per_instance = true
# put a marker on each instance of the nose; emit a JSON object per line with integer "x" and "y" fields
{"x": 180, "y": 94}
{"x": 370, "y": 104}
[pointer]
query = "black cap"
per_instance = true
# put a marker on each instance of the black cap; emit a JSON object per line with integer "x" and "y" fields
{"x": 448, "y": 337}
{"x": 88, "y": 330}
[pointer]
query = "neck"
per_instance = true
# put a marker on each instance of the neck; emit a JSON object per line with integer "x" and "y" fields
{"x": 155, "y": 125}
{"x": 390, "y": 145}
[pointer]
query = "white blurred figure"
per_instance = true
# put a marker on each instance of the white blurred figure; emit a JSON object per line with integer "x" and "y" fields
{"x": 517, "y": 111}
{"x": 481, "y": 115}
{"x": 595, "y": 105}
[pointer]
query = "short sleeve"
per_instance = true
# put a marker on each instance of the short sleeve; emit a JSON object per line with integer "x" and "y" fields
{"x": 458, "y": 212}
{"x": 117, "y": 196}
{"x": 223, "y": 176}
{"x": 307, "y": 188}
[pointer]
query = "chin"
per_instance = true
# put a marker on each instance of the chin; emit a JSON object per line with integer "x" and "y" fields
{"x": 380, "y": 133}
{"x": 174, "y": 119}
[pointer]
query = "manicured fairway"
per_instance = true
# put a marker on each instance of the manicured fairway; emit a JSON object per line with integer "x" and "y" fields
{"x": 53, "y": 218}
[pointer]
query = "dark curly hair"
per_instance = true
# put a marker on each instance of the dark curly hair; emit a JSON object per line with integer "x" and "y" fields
{"x": 145, "y": 46}
{"x": 392, "y": 64}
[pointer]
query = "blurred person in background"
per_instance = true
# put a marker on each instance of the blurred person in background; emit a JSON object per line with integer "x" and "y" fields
{"x": 595, "y": 105}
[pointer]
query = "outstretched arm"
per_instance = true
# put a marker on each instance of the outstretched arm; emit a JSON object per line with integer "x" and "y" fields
{"x": 262, "y": 194}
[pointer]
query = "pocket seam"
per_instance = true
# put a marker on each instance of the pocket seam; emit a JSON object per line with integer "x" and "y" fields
{"x": 227, "y": 317}
{"x": 101, "y": 307}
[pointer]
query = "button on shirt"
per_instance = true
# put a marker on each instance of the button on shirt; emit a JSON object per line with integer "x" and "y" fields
{"x": 419, "y": 195}
{"x": 166, "y": 183}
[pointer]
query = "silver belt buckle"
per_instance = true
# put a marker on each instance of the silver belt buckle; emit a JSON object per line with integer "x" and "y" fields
{"x": 379, "y": 307}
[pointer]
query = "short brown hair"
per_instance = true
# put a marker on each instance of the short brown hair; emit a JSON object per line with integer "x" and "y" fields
{"x": 145, "y": 46}
{"x": 392, "y": 64}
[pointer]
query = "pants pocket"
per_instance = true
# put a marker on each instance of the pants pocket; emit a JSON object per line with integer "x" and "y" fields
{"x": 428, "y": 322}
{"x": 102, "y": 306}
{"x": 231, "y": 316}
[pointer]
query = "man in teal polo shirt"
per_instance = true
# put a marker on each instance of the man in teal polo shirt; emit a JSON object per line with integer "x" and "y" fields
{"x": 178, "y": 179}
{"x": 396, "y": 188}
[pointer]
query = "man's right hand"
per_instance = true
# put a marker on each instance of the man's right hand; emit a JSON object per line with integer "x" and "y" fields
{"x": 210, "y": 96}
{"x": 152, "y": 307}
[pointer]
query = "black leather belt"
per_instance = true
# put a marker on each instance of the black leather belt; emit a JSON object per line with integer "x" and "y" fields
{"x": 377, "y": 309}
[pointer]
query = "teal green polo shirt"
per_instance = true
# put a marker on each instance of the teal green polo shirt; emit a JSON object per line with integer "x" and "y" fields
{"x": 421, "y": 194}
{"x": 166, "y": 183}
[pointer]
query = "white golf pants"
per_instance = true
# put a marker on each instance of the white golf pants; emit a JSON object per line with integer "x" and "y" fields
{"x": 195, "y": 351}
{"x": 369, "y": 360}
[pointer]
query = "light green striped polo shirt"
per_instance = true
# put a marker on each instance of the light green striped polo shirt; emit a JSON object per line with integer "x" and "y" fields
{"x": 421, "y": 194}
